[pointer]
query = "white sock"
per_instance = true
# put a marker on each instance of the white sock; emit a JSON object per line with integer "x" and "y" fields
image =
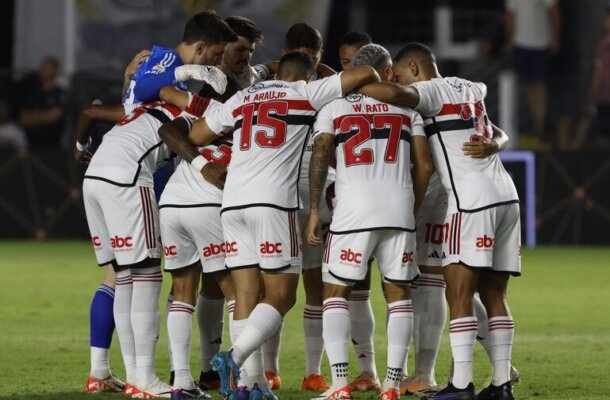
{"x": 168, "y": 306}
{"x": 262, "y": 324}
{"x": 314, "y": 343}
{"x": 483, "y": 324}
{"x": 501, "y": 332}
{"x": 336, "y": 326}
{"x": 180, "y": 329}
{"x": 210, "y": 319}
{"x": 363, "y": 330}
{"x": 251, "y": 371}
{"x": 462, "y": 334}
{"x": 145, "y": 321}
{"x": 271, "y": 351}
{"x": 99, "y": 363}
{"x": 399, "y": 331}
{"x": 122, "y": 319}
{"x": 432, "y": 309}
{"x": 231, "y": 311}
{"x": 416, "y": 303}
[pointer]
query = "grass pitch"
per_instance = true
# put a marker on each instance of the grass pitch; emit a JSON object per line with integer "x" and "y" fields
{"x": 561, "y": 307}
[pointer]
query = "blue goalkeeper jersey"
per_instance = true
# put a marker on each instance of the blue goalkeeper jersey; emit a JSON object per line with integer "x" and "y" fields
{"x": 154, "y": 73}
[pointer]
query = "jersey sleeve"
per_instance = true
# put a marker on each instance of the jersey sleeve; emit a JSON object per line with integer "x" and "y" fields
{"x": 154, "y": 73}
{"x": 417, "y": 124}
{"x": 429, "y": 98}
{"x": 220, "y": 118}
{"x": 324, "y": 122}
{"x": 324, "y": 90}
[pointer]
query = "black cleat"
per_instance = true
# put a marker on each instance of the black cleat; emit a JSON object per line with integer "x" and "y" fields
{"x": 502, "y": 392}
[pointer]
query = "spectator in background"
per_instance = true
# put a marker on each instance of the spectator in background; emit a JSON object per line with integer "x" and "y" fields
{"x": 349, "y": 44}
{"x": 42, "y": 105}
{"x": 12, "y": 135}
{"x": 532, "y": 34}
{"x": 596, "y": 114}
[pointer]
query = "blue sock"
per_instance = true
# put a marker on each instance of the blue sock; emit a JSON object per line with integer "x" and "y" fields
{"x": 101, "y": 317}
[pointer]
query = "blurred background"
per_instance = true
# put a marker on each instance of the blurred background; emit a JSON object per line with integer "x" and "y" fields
{"x": 57, "y": 56}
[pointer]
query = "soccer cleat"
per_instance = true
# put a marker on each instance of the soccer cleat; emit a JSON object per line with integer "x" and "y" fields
{"x": 209, "y": 380}
{"x": 228, "y": 372}
{"x": 257, "y": 394}
{"x": 502, "y": 392}
{"x": 242, "y": 393}
{"x": 515, "y": 376}
{"x": 416, "y": 383}
{"x": 365, "y": 382}
{"x": 109, "y": 384}
{"x": 187, "y": 394}
{"x": 315, "y": 383}
{"x": 450, "y": 392}
{"x": 341, "y": 393}
{"x": 274, "y": 380}
{"x": 128, "y": 390}
{"x": 390, "y": 394}
{"x": 157, "y": 389}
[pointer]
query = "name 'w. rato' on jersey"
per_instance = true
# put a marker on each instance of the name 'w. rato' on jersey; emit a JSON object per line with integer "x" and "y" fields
{"x": 271, "y": 121}
{"x": 454, "y": 112}
{"x": 373, "y": 184}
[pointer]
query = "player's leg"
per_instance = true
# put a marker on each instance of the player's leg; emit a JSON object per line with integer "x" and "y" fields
{"x": 278, "y": 236}
{"x": 101, "y": 316}
{"x": 270, "y": 351}
{"x": 185, "y": 282}
{"x": 363, "y": 332}
{"x": 210, "y": 319}
{"x": 138, "y": 248}
{"x": 242, "y": 260}
{"x": 396, "y": 256}
{"x": 492, "y": 288}
{"x": 345, "y": 262}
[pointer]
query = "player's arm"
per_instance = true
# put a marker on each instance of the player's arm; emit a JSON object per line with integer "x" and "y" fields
{"x": 101, "y": 112}
{"x": 422, "y": 169}
{"x": 481, "y": 147}
{"x": 323, "y": 147}
{"x": 132, "y": 67}
{"x": 390, "y": 92}
{"x": 187, "y": 101}
{"x": 324, "y": 70}
{"x": 357, "y": 77}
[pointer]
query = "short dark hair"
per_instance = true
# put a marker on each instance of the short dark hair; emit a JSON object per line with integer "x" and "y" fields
{"x": 303, "y": 35}
{"x": 356, "y": 37}
{"x": 296, "y": 62}
{"x": 246, "y": 28}
{"x": 207, "y": 26}
{"x": 415, "y": 49}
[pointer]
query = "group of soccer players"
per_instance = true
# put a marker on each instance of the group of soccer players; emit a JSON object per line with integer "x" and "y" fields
{"x": 385, "y": 160}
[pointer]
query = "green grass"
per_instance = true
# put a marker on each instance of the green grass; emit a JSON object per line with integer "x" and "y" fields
{"x": 561, "y": 307}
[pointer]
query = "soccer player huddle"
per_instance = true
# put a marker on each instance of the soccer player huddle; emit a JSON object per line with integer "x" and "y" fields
{"x": 289, "y": 168}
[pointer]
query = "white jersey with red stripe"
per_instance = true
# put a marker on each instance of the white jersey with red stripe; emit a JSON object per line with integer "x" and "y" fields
{"x": 132, "y": 150}
{"x": 271, "y": 121}
{"x": 454, "y": 112}
{"x": 373, "y": 183}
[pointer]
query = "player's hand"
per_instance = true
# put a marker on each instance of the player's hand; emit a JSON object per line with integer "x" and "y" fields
{"x": 215, "y": 173}
{"x": 312, "y": 229}
{"x": 479, "y": 147}
{"x": 133, "y": 65}
{"x": 83, "y": 157}
{"x": 206, "y": 73}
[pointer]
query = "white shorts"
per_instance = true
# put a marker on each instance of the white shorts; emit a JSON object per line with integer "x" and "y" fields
{"x": 485, "y": 239}
{"x": 123, "y": 222}
{"x": 192, "y": 234}
{"x": 346, "y": 256}
{"x": 430, "y": 223}
{"x": 262, "y": 236}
